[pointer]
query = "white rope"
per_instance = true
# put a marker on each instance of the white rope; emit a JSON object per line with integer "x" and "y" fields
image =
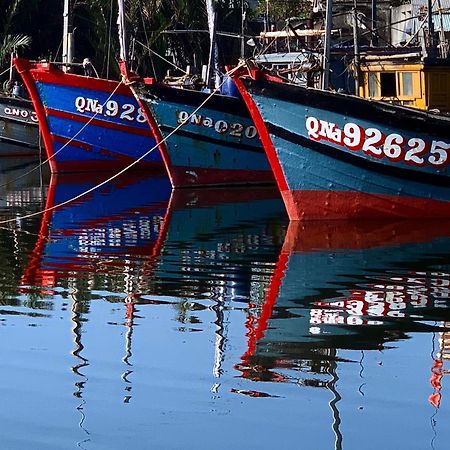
{"x": 88, "y": 191}
{"x": 3, "y": 73}
{"x": 68, "y": 142}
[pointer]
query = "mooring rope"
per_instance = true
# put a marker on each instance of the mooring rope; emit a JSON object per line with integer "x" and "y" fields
{"x": 67, "y": 143}
{"x": 136, "y": 161}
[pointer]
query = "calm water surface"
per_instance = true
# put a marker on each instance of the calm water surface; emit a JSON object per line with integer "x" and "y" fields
{"x": 134, "y": 317}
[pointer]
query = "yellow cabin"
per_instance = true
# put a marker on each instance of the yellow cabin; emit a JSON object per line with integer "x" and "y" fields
{"x": 406, "y": 81}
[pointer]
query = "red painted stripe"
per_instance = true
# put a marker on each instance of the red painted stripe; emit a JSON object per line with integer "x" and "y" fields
{"x": 73, "y": 142}
{"x": 98, "y": 122}
{"x": 263, "y": 135}
{"x": 183, "y": 198}
{"x": 193, "y": 176}
{"x": 312, "y": 205}
{"x": 320, "y": 235}
{"x": 119, "y": 160}
{"x": 154, "y": 128}
{"x": 22, "y": 67}
{"x": 50, "y": 73}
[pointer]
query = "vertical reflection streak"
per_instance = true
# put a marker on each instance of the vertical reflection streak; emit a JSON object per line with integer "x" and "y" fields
{"x": 129, "y": 322}
{"x": 219, "y": 347}
{"x": 331, "y": 386}
{"x": 76, "y": 310}
{"x": 435, "y": 398}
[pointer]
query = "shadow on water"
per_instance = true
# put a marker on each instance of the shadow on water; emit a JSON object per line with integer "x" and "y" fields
{"x": 305, "y": 292}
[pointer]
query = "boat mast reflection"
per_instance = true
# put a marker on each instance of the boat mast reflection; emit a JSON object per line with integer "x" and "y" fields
{"x": 347, "y": 285}
{"x": 143, "y": 244}
{"x": 77, "y": 309}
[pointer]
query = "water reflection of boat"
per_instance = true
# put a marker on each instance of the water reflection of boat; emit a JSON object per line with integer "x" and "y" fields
{"x": 186, "y": 243}
{"x": 344, "y": 285}
{"x": 16, "y": 190}
{"x": 100, "y": 231}
{"x": 217, "y": 239}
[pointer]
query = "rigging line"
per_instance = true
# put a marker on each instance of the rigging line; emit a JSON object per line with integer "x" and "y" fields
{"x": 159, "y": 56}
{"x": 425, "y": 21}
{"x": 3, "y": 73}
{"x": 136, "y": 161}
{"x": 268, "y": 45}
{"x": 67, "y": 143}
{"x": 148, "y": 44}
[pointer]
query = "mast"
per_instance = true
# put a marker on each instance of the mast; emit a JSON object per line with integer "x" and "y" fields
{"x": 213, "y": 64}
{"x": 374, "y": 19}
{"x": 327, "y": 45}
{"x": 122, "y": 30}
{"x": 243, "y": 13}
{"x": 431, "y": 42}
{"x": 356, "y": 47}
{"x": 68, "y": 41}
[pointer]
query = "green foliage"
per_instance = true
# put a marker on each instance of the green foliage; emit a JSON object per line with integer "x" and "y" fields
{"x": 95, "y": 31}
{"x": 280, "y": 10}
{"x": 11, "y": 43}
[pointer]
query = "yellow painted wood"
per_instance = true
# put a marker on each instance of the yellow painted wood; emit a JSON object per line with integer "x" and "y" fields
{"x": 430, "y": 85}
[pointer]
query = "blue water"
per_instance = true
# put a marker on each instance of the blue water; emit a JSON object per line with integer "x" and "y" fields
{"x": 141, "y": 318}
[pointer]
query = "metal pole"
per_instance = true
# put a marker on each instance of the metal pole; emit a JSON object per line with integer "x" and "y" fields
{"x": 11, "y": 67}
{"x": 242, "y": 30}
{"x": 356, "y": 47}
{"x": 374, "y": 24}
{"x": 123, "y": 55}
{"x": 431, "y": 43}
{"x": 67, "y": 56}
{"x": 327, "y": 45}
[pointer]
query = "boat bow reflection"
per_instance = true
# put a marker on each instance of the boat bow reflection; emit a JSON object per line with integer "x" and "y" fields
{"x": 104, "y": 232}
{"x": 347, "y": 285}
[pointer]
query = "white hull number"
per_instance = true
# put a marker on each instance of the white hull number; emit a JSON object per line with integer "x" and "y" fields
{"x": 395, "y": 147}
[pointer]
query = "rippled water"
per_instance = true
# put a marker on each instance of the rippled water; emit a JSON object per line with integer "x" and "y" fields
{"x": 134, "y": 317}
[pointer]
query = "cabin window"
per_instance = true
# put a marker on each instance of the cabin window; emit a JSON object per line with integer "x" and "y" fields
{"x": 388, "y": 85}
{"x": 407, "y": 84}
{"x": 373, "y": 85}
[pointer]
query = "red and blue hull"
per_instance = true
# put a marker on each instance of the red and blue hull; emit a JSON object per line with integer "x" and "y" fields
{"x": 113, "y": 229}
{"x": 88, "y": 124}
{"x": 216, "y": 146}
{"x": 337, "y": 156}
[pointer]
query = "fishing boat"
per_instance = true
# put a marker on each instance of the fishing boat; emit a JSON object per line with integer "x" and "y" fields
{"x": 218, "y": 145}
{"x": 340, "y": 156}
{"x": 206, "y": 136}
{"x": 88, "y": 124}
{"x": 19, "y": 129}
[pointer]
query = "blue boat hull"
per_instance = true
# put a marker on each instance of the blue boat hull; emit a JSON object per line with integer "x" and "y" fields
{"x": 336, "y": 156}
{"x": 88, "y": 124}
{"x": 218, "y": 145}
